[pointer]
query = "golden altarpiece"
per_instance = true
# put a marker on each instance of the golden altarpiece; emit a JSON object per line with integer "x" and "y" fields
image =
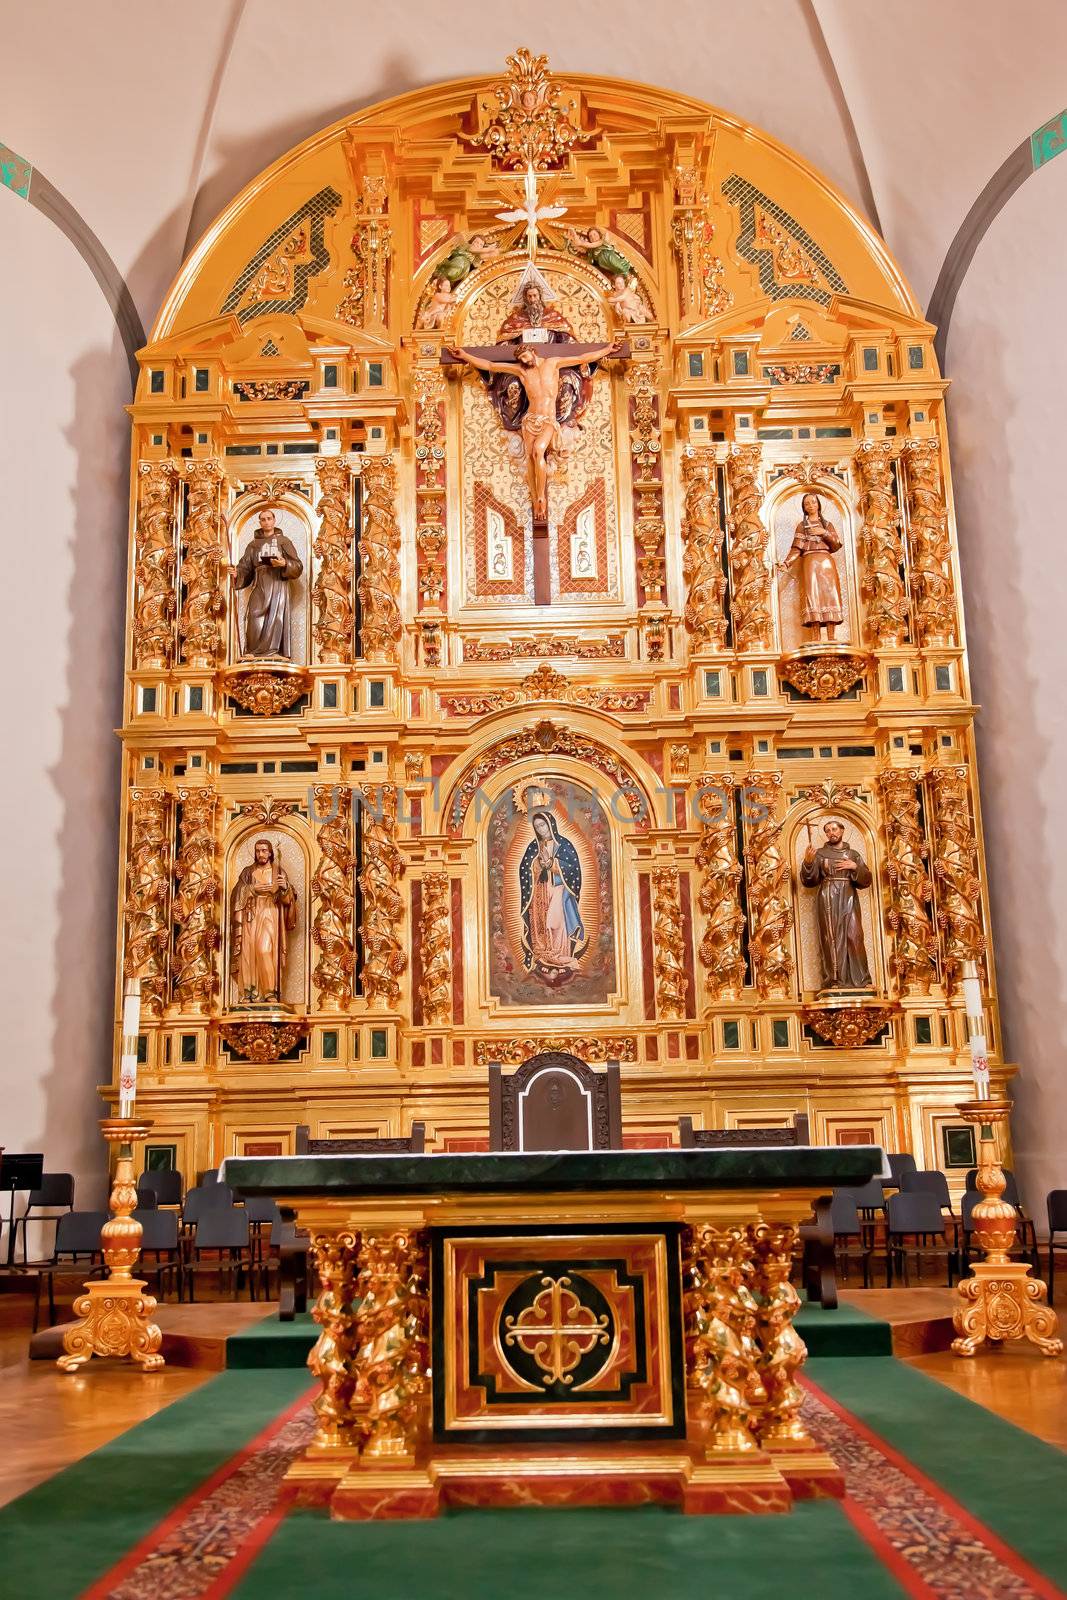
{"x": 665, "y": 757}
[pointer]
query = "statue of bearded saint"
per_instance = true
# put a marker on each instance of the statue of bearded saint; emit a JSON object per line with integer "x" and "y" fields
{"x": 836, "y": 872}
{"x": 267, "y": 569}
{"x": 262, "y": 915}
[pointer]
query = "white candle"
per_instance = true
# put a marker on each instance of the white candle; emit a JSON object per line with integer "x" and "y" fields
{"x": 131, "y": 1027}
{"x": 972, "y": 1002}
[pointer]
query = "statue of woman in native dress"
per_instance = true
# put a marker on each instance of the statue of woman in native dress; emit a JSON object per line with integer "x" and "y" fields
{"x": 814, "y": 543}
{"x": 837, "y": 871}
{"x": 550, "y": 888}
{"x": 262, "y": 914}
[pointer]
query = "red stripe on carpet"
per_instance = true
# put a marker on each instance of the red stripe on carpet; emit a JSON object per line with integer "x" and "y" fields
{"x": 144, "y": 1547}
{"x": 1004, "y": 1553}
{"x": 911, "y": 1581}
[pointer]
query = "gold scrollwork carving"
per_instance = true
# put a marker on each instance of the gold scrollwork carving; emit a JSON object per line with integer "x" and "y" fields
{"x": 204, "y": 606}
{"x": 531, "y": 126}
{"x": 148, "y": 880}
{"x": 886, "y": 604}
{"x": 669, "y": 943}
{"x": 365, "y": 301}
{"x": 702, "y": 566}
{"x": 546, "y": 738}
{"x": 848, "y": 1027}
{"x": 332, "y": 591}
{"x": 513, "y": 1052}
{"x": 642, "y": 380}
{"x": 721, "y": 949}
{"x": 338, "y": 1421}
{"x": 383, "y": 906}
{"x": 393, "y": 1330}
{"x": 770, "y": 899}
{"x": 915, "y": 948}
{"x": 435, "y": 989}
{"x": 196, "y": 902}
{"x": 700, "y": 271}
{"x": 379, "y": 549}
{"x": 930, "y": 547}
{"x": 750, "y": 579}
{"x": 155, "y": 560}
{"x": 959, "y": 887}
{"x": 823, "y": 677}
{"x": 263, "y": 1040}
{"x": 332, "y": 888}
{"x": 612, "y": 648}
{"x": 430, "y": 484}
{"x": 266, "y": 690}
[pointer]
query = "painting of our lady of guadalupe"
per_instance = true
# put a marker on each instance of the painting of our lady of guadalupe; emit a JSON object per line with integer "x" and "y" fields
{"x": 551, "y": 917}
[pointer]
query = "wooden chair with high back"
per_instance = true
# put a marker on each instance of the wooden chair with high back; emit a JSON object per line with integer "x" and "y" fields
{"x": 555, "y": 1102}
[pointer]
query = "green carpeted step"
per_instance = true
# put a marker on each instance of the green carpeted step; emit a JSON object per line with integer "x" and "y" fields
{"x": 650, "y": 1554}
{"x": 60, "y": 1537}
{"x": 272, "y": 1343}
{"x": 1014, "y": 1483}
{"x": 845, "y": 1331}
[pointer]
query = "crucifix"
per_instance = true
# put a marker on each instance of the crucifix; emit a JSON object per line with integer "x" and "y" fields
{"x": 539, "y": 379}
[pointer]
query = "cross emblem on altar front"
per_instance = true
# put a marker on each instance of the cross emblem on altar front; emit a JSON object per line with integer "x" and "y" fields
{"x": 530, "y": 212}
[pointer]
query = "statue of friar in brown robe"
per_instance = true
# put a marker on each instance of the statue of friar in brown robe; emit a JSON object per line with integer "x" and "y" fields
{"x": 263, "y": 913}
{"x": 267, "y": 568}
{"x": 837, "y": 871}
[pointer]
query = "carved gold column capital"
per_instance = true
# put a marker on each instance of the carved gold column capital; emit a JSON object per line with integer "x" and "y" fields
{"x": 339, "y": 1411}
{"x": 669, "y": 943}
{"x": 196, "y": 902}
{"x": 750, "y": 579}
{"x": 703, "y": 536}
{"x": 721, "y": 948}
{"x": 769, "y": 884}
{"x": 204, "y": 606}
{"x": 332, "y": 887}
{"x": 383, "y": 907}
{"x": 155, "y": 560}
{"x": 379, "y": 548}
{"x": 958, "y": 887}
{"x": 435, "y": 988}
{"x": 930, "y": 549}
{"x": 332, "y": 590}
{"x": 914, "y": 959}
{"x": 886, "y": 603}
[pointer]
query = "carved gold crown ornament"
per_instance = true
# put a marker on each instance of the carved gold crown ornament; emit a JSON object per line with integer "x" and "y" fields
{"x": 536, "y": 121}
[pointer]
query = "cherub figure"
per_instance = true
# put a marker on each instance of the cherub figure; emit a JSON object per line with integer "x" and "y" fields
{"x": 464, "y": 256}
{"x": 625, "y": 300}
{"x": 437, "y": 308}
{"x": 598, "y": 250}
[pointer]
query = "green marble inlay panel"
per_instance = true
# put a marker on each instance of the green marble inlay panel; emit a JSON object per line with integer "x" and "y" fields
{"x": 792, "y": 1167}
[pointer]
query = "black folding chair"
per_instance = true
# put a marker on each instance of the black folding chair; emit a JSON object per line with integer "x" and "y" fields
{"x": 166, "y": 1186}
{"x": 852, "y": 1237}
{"x": 221, "y": 1244}
{"x": 915, "y": 1226}
{"x": 48, "y": 1203}
{"x": 160, "y": 1241}
{"x": 1057, "y": 1223}
{"x": 77, "y": 1237}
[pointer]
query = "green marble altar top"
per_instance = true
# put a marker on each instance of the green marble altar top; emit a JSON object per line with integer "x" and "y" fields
{"x": 787, "y": 1167}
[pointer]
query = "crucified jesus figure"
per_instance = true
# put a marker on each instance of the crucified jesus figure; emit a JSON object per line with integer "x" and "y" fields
{"x": 540, "y": 430}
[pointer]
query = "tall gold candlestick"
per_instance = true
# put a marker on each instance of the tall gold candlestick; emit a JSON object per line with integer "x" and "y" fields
{"x": 1001, "y": 1301}
{"x": 115, "y": 1312}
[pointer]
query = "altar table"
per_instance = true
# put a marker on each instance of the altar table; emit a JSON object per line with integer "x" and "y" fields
{"x": 603, "y": 1328}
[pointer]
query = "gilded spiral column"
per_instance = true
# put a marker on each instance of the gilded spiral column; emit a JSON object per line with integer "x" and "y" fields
{"x": 435, "y": 988}
{"x": 147, "y": 905}
{"x": 204, "y": 605}
{"x": 339, "y": 1410}
{"x": 431, "y": 466}
{"x": 914, "y": 958}
{"x": 668, "y": 938}
{"x": 959, "y": 888}
{"x": 770, "y": 898}
{"x": 647, "y": 464}
{"x": 383, "y": 906}
{"x": 379, "y": 550}
{"x": 886, "y": 603}
{"x": 782, "y": 1350}
{"x": 392, "y": 1360}
{"x": 332, "y": 591}
{"x": 750, "y": 579}
{"x": 703, "y": 537}
{"x": 154, "y": 562}
{"x": 196, "y": 902}
{"x": 721, "y": 1356}
{"x": 334, "y": 898}
{"x": 932, "y": 588}
{"x": 721, "y": 948}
